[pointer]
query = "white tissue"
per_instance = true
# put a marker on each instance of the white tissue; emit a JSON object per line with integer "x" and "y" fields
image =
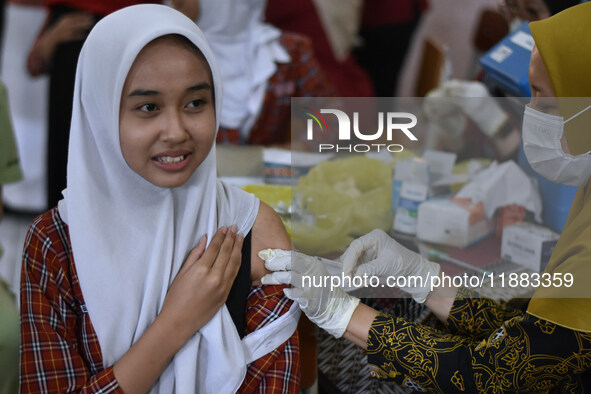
{"x": 503, "y": 184}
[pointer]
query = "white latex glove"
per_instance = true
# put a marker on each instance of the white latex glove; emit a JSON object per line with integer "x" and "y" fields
{"x": 444, "y": 114}
{"x": 378, "y": 254}
{"x": 474, "y": 100}
{"x": 330, "y": 309}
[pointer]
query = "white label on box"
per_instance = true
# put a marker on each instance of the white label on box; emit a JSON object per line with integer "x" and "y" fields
{"x": 528, "y": 245}
{"x": 411, "y": 196}
{"x": 414, "y": 191}
{"x": 501, "y": 53}
{"x": 524, "y": 40}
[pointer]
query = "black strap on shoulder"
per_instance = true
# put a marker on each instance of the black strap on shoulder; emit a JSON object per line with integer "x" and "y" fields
{"x": 236, "y": 301}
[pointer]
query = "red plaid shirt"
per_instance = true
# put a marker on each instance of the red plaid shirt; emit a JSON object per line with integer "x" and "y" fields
{"x": 301, "y": 77}
{"x": 60, "y": 351}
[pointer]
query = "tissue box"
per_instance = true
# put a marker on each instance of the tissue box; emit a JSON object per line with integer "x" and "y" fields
{"x": 456, "y": 222}
{"x": 529, "y": 245}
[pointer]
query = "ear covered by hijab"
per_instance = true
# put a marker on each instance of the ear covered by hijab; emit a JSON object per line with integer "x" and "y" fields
{"x": 564, "y": 42}
{"x": 129, "y": 237}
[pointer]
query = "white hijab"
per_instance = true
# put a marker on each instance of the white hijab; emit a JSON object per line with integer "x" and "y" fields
{"x": 247, "y": 51}
{"x": 130, "y": 237}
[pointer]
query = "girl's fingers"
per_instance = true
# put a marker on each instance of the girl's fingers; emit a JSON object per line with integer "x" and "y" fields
{"x": 195, "y": 254}
{"x": 233, "y": 265}
{"x": 208, "y": 257}
{"x": 225, "y": 252}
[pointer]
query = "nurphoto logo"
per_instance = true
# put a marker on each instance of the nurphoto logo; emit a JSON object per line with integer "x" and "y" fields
{"x": 394, "y": 122}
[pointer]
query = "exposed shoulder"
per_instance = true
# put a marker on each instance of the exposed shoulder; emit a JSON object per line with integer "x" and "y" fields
{"x": 267, "y": 232}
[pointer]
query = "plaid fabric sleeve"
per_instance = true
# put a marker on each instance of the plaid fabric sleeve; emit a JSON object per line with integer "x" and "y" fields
{"x": 278, "y": 371}
{"x": 58, "y": 353}
{"x": 309, "y": 76}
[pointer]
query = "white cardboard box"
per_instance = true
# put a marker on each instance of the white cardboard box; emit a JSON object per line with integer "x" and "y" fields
{"x": 529, "y": 245}
{"x": 449, "y": 222}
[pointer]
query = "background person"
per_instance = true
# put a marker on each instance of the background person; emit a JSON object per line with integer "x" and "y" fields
{"x": 9, "y": 331}
{"x": 488, "y": 347}
{"x": 262, "y": 68}
{"x": 534, "y": 10}
{"x": 332, "y": 28}
{"x": 55, "y": 52}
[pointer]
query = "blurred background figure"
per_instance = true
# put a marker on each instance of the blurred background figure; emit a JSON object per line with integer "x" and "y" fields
{"x": 533, "y": 10}
{"x": 9, "y": 161}
{"x": 28, "y": 105}
{"x": 468, "y": 120}
{"x": 9, "y": 317}
{"x": 262, "y": 68}
{"x": 332, "y": 27}
{"x": 55, "y": 52}
{"x": 387, "y": 29}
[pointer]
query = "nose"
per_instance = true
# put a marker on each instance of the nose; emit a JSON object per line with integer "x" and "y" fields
{"x": 174, "y": 128}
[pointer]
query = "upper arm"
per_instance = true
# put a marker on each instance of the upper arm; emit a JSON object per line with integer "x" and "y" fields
{"x": 267, "y": 232}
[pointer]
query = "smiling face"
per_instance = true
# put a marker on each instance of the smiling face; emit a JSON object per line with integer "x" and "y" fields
{"x": 167, "y": 113}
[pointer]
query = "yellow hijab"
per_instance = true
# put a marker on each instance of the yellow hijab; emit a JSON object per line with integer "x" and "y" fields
{"x": 564, "y": 42}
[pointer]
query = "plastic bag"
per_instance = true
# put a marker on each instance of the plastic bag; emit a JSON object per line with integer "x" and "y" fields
{"x": 338, "y": 201}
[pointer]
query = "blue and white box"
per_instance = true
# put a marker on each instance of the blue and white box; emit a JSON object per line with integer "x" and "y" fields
{"x": 507, "y": 63}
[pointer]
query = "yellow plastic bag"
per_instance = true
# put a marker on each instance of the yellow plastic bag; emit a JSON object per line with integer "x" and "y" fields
{"x": 347, "y": 198}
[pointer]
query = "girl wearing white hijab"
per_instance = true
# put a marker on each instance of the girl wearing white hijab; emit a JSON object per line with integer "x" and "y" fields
{"x": 119, "y": 291}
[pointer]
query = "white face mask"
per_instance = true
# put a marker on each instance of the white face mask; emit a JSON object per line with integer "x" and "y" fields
{"x": 541, "y": 143}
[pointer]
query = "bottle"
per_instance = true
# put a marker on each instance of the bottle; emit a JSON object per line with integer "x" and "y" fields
{"x": 409, "y": 189}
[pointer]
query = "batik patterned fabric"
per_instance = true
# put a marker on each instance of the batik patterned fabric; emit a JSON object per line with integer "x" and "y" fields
{"x": 487, "y": 348}
{"x": 343, "y": 365}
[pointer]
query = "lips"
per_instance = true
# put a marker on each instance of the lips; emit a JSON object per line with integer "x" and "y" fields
{"x": 172, "y": 161}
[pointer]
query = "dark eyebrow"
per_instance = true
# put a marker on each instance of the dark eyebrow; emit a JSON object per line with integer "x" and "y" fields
{"x": 144, "y": 92}
{"x": 200, "y": 86}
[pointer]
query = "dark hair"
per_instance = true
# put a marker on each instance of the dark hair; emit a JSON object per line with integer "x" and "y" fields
{"x": 555, "y": 6}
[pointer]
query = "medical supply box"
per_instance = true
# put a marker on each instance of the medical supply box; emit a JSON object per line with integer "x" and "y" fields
{"x": 455, "y": 222}
{"x": 529, "y": 245}
{"x": 507, "y": 63}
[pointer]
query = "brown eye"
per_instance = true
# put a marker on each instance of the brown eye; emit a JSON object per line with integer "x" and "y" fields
{"x": 148, "y": 107}
{"x": 196, "y": 103}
